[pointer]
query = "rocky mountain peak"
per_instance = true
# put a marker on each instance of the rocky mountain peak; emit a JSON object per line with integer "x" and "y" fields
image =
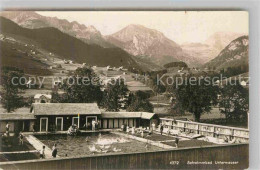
{"x": 32, "y": 20}
{"x": 235, "y": 54}
{"x": 142, "y": 42}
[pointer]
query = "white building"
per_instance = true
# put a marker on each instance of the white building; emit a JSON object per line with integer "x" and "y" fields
{"x": 244, "y": 83}
{"x": 42, "y": 98}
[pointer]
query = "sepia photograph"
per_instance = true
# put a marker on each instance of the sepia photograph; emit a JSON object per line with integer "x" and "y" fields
{"x": 124, "y": 89}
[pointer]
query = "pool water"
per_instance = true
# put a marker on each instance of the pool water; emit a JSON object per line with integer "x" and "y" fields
{"x": 94, "y": 144}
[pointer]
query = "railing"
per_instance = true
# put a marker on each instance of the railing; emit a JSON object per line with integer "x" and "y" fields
{"x": 241, "y": 134}
{"x": 235, "y": 156}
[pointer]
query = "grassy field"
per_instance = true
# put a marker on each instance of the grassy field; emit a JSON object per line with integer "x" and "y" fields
{"x": 131, "y": 82}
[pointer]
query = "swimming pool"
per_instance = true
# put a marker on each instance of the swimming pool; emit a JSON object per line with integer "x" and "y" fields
{"x": 94, "y": 143}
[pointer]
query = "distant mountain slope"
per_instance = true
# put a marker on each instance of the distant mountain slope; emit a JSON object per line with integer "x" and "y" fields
{"x": 147, "y": 64}
{"x": 32, "y": 20}
{"x": 220, "y": 40}
{"x": 201, "y": 52}
{"x": 69, "y": 47}
{"x": 141, "y": 41}
{"x": 176, "y": 64}
{"x": 19, "y": 56}
{"x": 209, "y": 49}
{"x": 233, "y": 55}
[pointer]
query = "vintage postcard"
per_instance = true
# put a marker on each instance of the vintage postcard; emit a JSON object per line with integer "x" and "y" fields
{"x": 124, "y": 89}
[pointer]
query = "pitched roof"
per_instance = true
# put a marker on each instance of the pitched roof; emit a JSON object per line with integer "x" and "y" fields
{"x": 22, "y": 113}
{"x": 146, "y": 115}
{"x": 16, "y": 116}
{"x": 143, "y": 115}
{"x": 65, "y": 109}
{"x": 37, "y": 96}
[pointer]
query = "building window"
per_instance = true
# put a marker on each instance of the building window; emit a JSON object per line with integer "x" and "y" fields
{"x": 59, "y": 123}
{"x": 44, "y": 124}
{"x": 43, "y": 101}
{"x": 75, "y": 121}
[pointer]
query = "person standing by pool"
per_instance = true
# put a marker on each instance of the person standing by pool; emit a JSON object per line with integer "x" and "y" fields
{"x": 161, "y": 128}
{"x": 42, "y": 152}
{"x": 93, "y": 124}
{"x": 176, "y": 142}
{"x": 54, "y": 151}
{"x": 85, "y": 126}
{"x": 98, "y": 125}
{"x": 7, "y": 127}
{"x": 133, "y": 130}
{"x": 153, "y": 126}
{"x": 34, "y": 128}
{"x": 21, "y": 138}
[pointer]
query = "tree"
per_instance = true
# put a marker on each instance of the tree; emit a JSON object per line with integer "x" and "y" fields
{"x": 10, "y": 77}
{"x": 56, "y": 97}
{"x": 82, "y": 87}
{"x": 234, "y": 102}
{"x": 139, "y": 102}
{"x": 114, "y": 95}
{"x": 197, "y": 97}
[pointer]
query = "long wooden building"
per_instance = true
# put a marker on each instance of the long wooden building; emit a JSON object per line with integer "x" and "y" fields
{"x": 48, "y": 117}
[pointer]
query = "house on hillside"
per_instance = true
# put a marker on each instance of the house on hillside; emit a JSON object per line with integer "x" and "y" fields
{"x": 120, "y": 68}
{"x": 31, "y": 84}
{"x": 244, "y": 83}
{"x": 66, "y": 62}
{"x": 42, "y": 98}
{"x": 57, "y": 83}
{"x": 109, "y": 68}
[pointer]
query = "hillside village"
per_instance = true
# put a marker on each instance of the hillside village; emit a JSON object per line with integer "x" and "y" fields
{"x": 58, "y": 69}
{"x": 51, "y": 65}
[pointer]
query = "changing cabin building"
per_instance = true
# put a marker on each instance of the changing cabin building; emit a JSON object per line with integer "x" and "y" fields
{"x": 19, "y": 120}
{"x": 112, "y": 120}
{"x": 60, "y": 116}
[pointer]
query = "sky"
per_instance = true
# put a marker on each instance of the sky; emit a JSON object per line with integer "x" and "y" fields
{"x": 179, "y": 26}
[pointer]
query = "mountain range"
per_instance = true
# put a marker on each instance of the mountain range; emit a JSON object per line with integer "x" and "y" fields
{"x": 68, "y": 47}
{"x": 141, "y": 41}
{"x": 32, "y": 20}
{"x": 145, "y": 46}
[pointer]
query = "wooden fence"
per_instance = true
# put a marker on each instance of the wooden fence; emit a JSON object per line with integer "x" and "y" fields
{"x": 241, "y": 134}
{"x": 233, "y": 156}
